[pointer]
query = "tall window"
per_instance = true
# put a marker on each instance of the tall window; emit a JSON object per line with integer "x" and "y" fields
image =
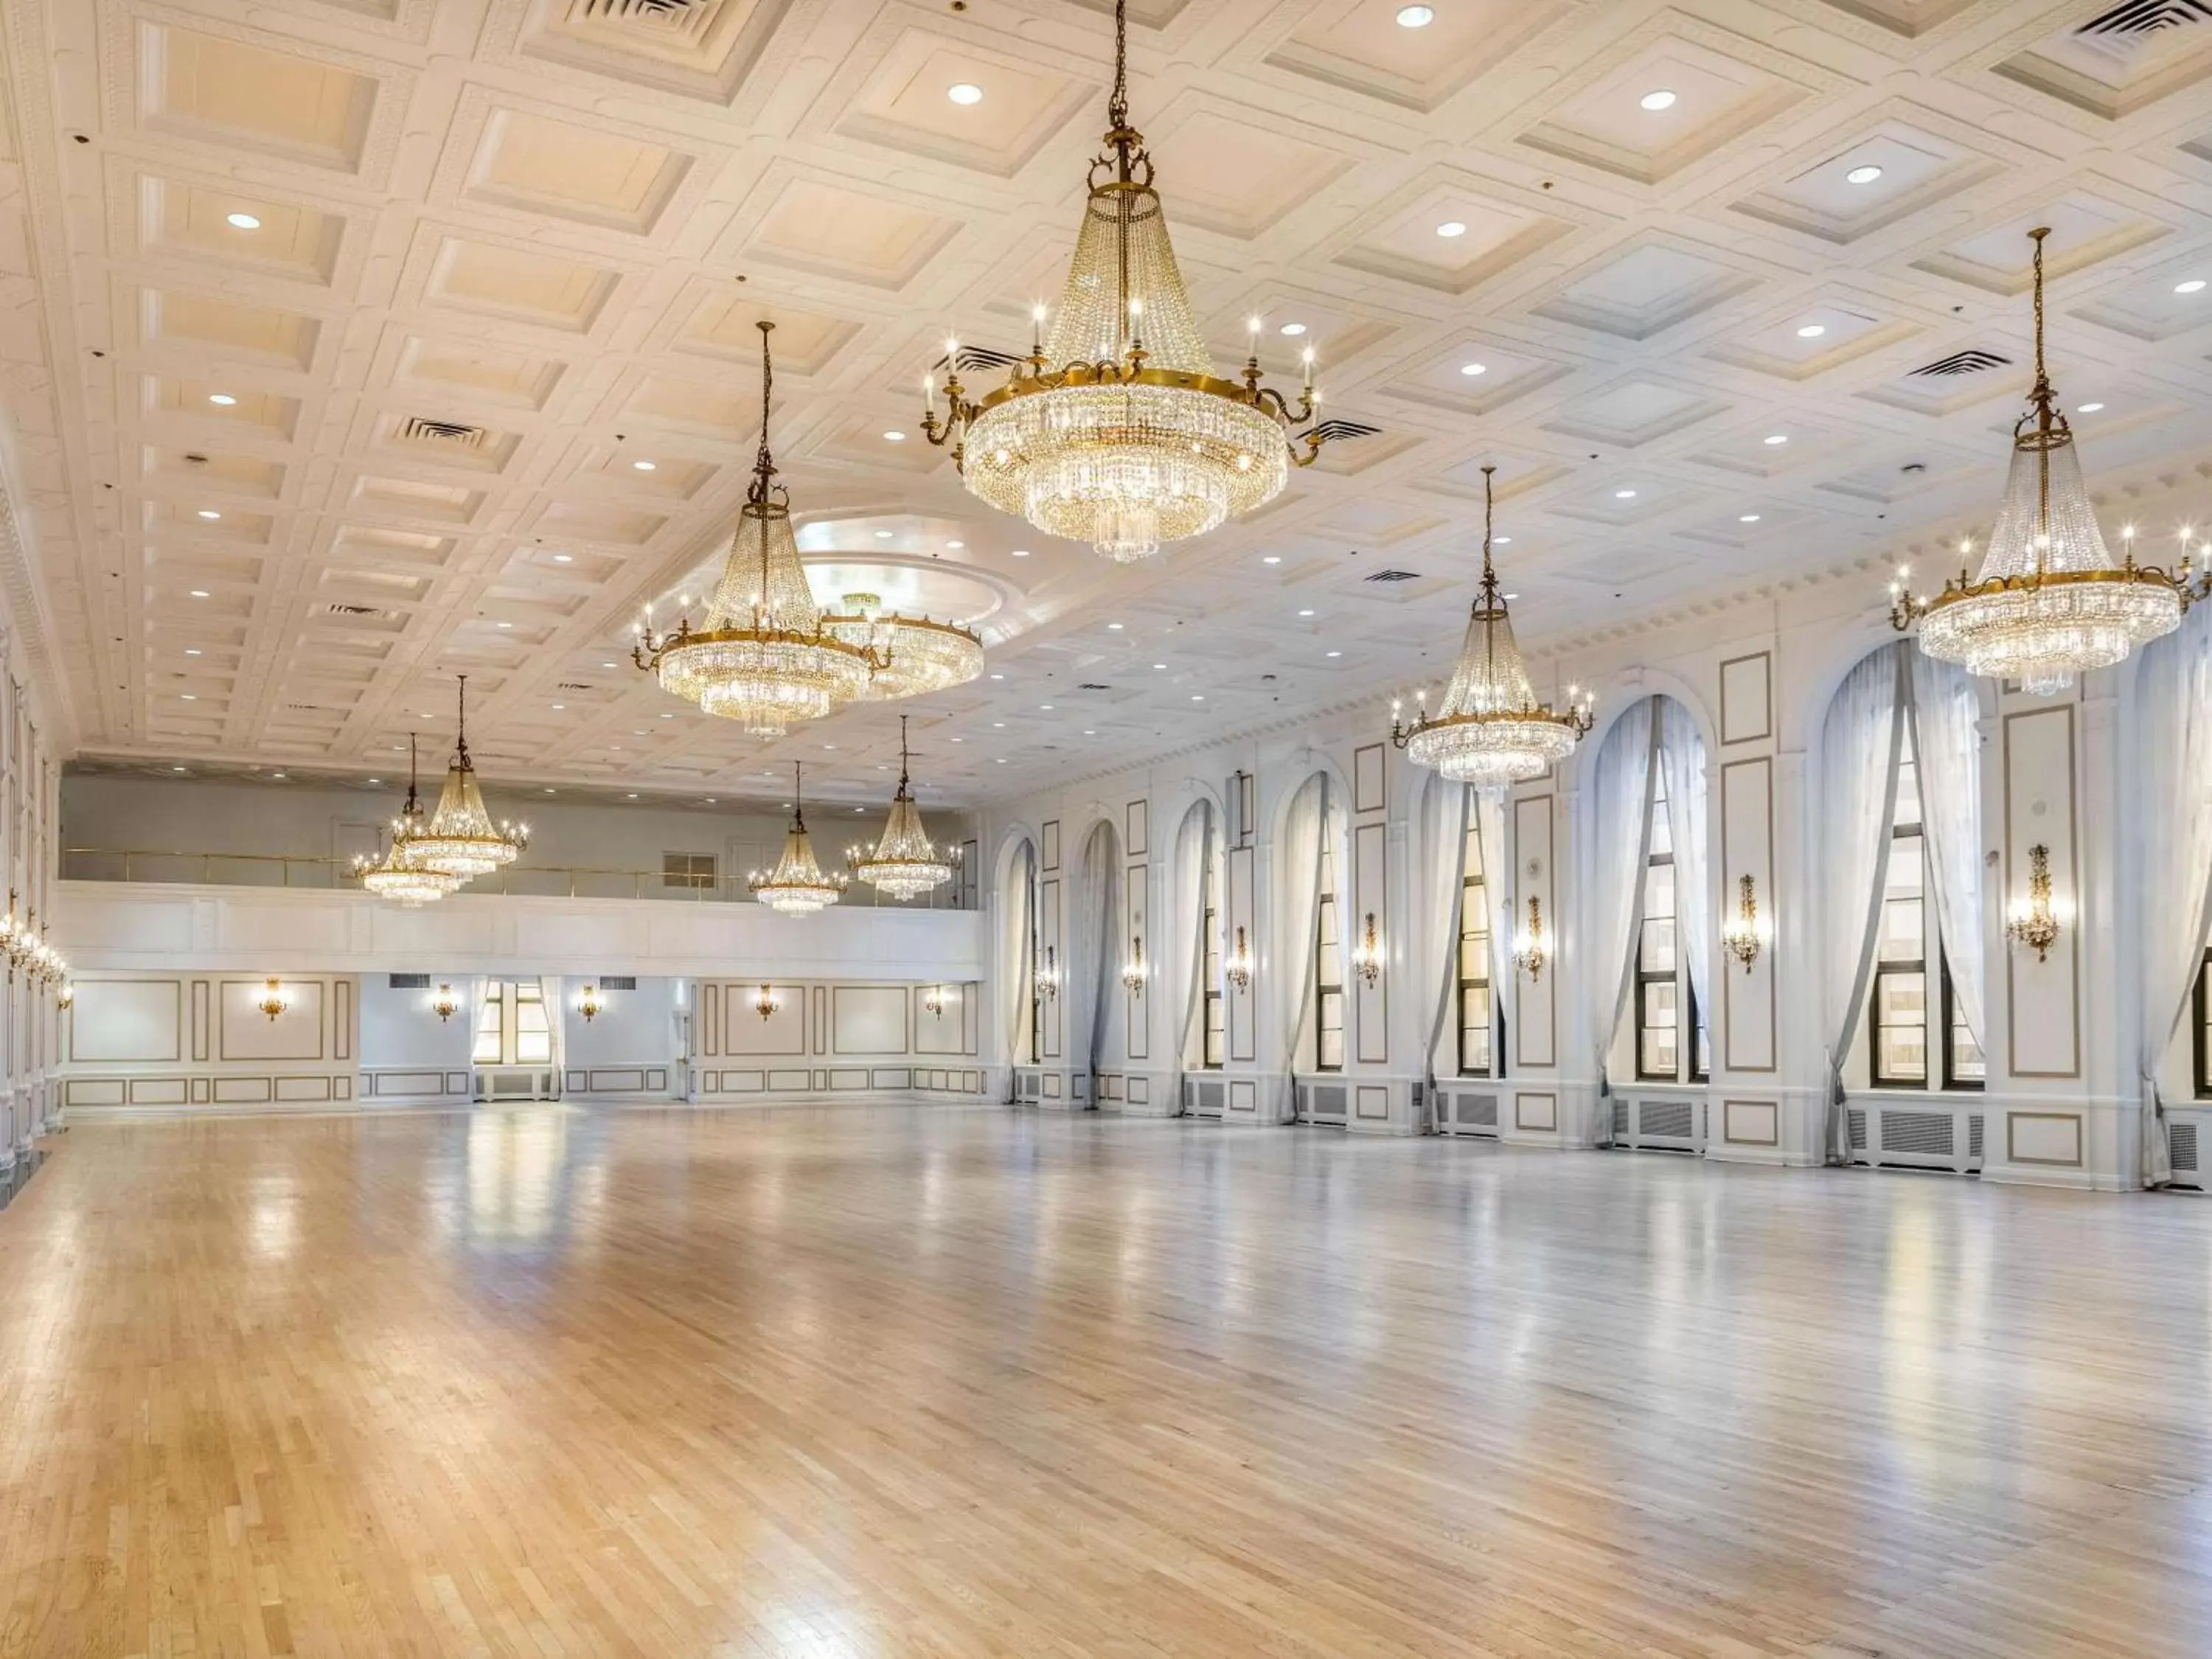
{"x": 1669, "y": 1048}
{"x": 1475, "y": 1018}
{"x": 1217, "y": 1010}
{"x": 1037, "y": 964}
{"x": 1907, "y": 1024}
{"x": 1328, "y": 987}
{"x": 512, "y": 1025}
{"x": 2203, "y": 1029}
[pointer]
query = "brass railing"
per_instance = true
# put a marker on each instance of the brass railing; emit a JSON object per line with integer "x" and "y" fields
{"x": 308, "y": 871}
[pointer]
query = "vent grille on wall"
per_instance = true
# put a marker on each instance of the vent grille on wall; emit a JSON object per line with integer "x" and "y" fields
{"x": 617, "y": 981}
{"x": 1393, "y": 576}
{"x": 1920, "y": 1134}
{"x": 1855, "y": 1124}
{"x": 1672, "y": 1119}
{"x": 1971, "y": 361}
{"x": 1478, "y": 1111}
{"x": 420, "y": 430}
{"x": 2142, "y": 17}
{"x": 410, "y": 982}
{"x": 1974, "y": 1136}
{"x": 1619, "y": 1120}
{"x": 2182, "y": 1139}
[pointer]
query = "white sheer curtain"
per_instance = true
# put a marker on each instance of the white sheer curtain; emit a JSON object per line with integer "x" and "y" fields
{"x": 1186, "y": 954}
{"x": 1859, "y": 749}
{"x": 556, "y": 1021}
{"x": 1433, "y": 954}
{"x": 1497, "y": 885}
{"x": 1621, "y": 831}
{"x": 1682, "y": 764}
{"x": 1014, "y": 956}
{"x": 1087, "y": 942}
{"x": 2173, "y": 726}
{"x": 1287, "y": 964}
{"x": 1946, "y": 712}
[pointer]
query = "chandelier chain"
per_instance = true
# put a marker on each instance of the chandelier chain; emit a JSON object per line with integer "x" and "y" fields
{"x": 461, "y": 725}
{"x": 1117, "y": 108}
{"x": 1489, "y": 595}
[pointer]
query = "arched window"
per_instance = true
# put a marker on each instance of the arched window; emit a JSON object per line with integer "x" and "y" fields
{"x": 1905, "y": 1024}
{"x": 1666, "y": 1000}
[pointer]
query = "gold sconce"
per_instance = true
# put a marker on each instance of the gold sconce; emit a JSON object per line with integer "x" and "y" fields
{"x": 932, "y": 1002}
{"x": 1529, "y": 954}
{"x": 273, "y": 1000}
{"x": 2035, "y": 924}
{"x": 1238, "y": 969}
{"x": 589, "y": 1005}
{"x": 445, "y": 1005}
{"x": 1367, "y": 955}
{"x": 1133, "y": 975}
{"x": 66, "y": 997}
{"x": 766, "y": 1001}
{"x": 1048, "y": 977}
{"x": 1742, "y": 939}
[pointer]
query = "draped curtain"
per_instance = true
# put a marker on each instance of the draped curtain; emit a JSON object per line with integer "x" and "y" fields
{"x": 1287, "y": 974}
{"x": 1186, "y": 959}
{"x": 556, "y": 1021}
{"x": 1014, "y": 955}
{"x": 1682, "y": 764}
{"x": 1434, "y": 952}
{"x": 1859, "y": 750}
{"x": 1621, "y": 827}
{"x": 1087, "y": 942}
{"x": 1497, "y": 883}
{"x": 1946, "y": 714}
{"x": 2173, "y": 726}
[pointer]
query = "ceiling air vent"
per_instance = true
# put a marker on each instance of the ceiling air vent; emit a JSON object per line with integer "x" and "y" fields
{"x": 340, "y": 608}
{"x": 417, "y": 429}
{"x": 2134, "y": 19}
{"x": 573, "y": 685}
{"x": 1393, "y": 576}
{"x": 1093, "y": 685}
{"x": 688, "y": 18}
{"x": 1333, "y": 431}
{"x": 969, "y": 358}
{"x": 1963, "y": 362}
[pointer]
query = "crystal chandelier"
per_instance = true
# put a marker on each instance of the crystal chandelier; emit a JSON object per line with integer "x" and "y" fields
{"x": 1115, "y": 429}
{"x": 906, "y": 862}
{"x": 797, "y": 886}
{"x": 461, "y": 839}
{"x": 914, "y": 655}
{"x": 763, "y": 659}
{"x": 400, "y": 874}
{"x": 1490, "y": 730}
{"x": 2050, "y": 603}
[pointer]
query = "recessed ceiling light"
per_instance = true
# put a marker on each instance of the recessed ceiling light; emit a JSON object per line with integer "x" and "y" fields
{"x": 1021, "y": 553}
{"x": 631, "y": 796}
{"x": 964, "y": 92}
{"x": 376, "y": 780}
{"x": 199, "y": 592}
{"x": 883, "y": 535}
{"x": 1002, "y": 760}
{"x": 189, "y": 697}
{"x": 1503, "y": 541}
{"x": 2087, "y": 408}
{"x": 1294, "y": 328}
{"x": 1812, "y": 331}
{"x": 1114, "y": 627}
{"x": 1776, "y": 438}
{"x": 1046, "y": 707}
{"x": 894, "y": 436}
{"x": 507, "y": 625}
{"x": 176, "y": 769}
{"x": 1472, "y": 369}
{"x": 1451, "y": 228}
{"x": 1197, "y": 696}
{"x": 1159, "y": 665}
{"x": 242, "y": 221}
{"x": 210, "y": 513}
{"x": 609, "y": 664}
{"x": 1512, "y": 596}
{"x": 997, "y": 725}
{"x": 191, "y": 651}
{"x": 1305, "y": 613}
{"x": 646, "y": 466}
{"x": 1089, "y": 731}
{"x": 1657, "y": 99}
{"x": 1272, "y": 558}
{"x": 552, "y": 791}
{"x": 1624, "y": 494}
{"x": 958, "y": 740}
{"x": 222, "y": 399}
{"x": 956, "y": 546}
{"x": 2194, "y": 285}
{"x": 564, "y": 558}
{"x": 998, "y": 677}
{"x": 1416, "y": 17}
{"x": 558, "y": 707}
{"x": 1747, "y": 518}
{"x": 1865, "y": 175}
{"x": 279, "y": 777}
{"x": 1335, "y": 654}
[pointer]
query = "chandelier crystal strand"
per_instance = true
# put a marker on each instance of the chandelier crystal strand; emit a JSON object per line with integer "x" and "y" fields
{"x": 918, "y": 655}
{"x": 2050, "y": 603}
{"x": 1115, "y": 429}
{"x": 905, "y": 863}
{"x": 1489, "y": 730}
{"x": 400, "y": 873}
{"x": 763, "y": 657}
{"x": 797, "y": 886}
{"x": 462, "y": 840}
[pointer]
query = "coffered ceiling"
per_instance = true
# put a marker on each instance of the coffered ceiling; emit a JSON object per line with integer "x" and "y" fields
{"x": 349, "y": 344}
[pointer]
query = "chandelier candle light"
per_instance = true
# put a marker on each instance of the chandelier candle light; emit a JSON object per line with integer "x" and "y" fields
{"x": 461, "y": 839}
{"x": 797, "y": 886}
{"x": 914, "y": 655}
{"x": 764, "y": 656}
{"x": 400, "y": 873}
{"x": 1489, "y": 730}
{"x": 905, "y": 863}
{"x": 2050, "y": 603}
{"x": 1115, "y": 429}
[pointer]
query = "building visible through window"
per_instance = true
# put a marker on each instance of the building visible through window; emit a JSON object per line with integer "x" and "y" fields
{"x": 513, "y": 1025}
{"x": 1476, "y": 1020}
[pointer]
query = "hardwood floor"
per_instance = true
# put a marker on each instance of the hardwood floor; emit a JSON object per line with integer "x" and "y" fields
{"x": 939, "y": 1381}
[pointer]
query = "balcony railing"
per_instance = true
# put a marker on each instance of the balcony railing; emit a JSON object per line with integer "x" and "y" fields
{"x": 308, "y": 872}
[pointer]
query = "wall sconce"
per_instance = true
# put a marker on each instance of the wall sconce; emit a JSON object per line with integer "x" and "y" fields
{"x": 66, "y": 997}
{"x": 1529, "y": 950}
{"x": 1367, "y": 955}
{"x": 273, "y": 1000}
{"x": 1742, "y": 939}
{"x": 932, "y": 1002}
{"x": 445, "y": 1005}
{"x": 1238, "y": 969}
{"x": 1133, "y": 975}
{"x": 766, "y": 1001}
{"x": 2035, "y": 924}
{"x": 1048, "y": 977}
{"x": 589, "y": 1005}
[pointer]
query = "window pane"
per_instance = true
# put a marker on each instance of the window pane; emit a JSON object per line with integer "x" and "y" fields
{"x": 1967, "y": 1064}
{"x": 1901, "y": 999}
{"x": 486, "y": 1052}
{"x": 1660, "y": 1058}
{"x": 1471, "y": 863}
{"x": 1658, "y": 954}
{"x": 533, "y": 1040}
{"x": 1663, "y": 833}
{"x": 1902, "y": 939}
{"x": 1703, "y": 1064}
{"x": 1474, "y": 957}
{"x": 1659, "y": 890}
{"x": 1901, "y": 1054}
{"x": 1907, "y": 854}
{"x": 1908, "y": 793}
